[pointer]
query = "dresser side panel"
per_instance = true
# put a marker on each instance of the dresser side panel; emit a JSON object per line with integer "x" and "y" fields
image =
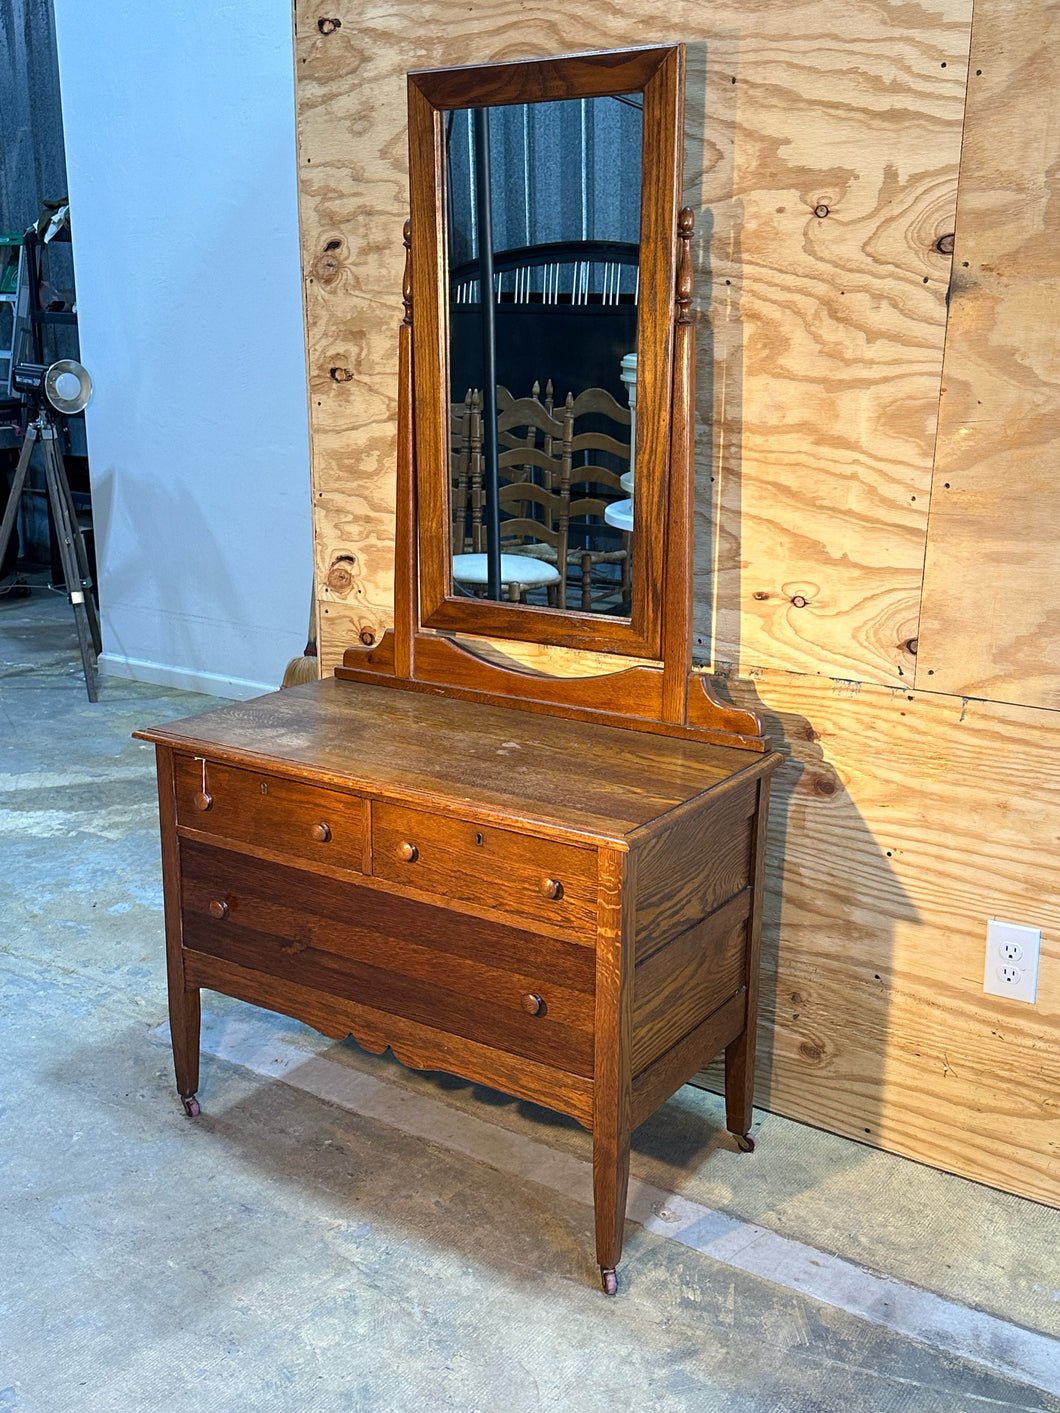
{"x": 689, "y": 866}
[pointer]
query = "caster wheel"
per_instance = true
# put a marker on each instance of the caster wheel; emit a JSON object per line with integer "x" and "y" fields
{"x": 609, "y": 1281}
{"x": 744, "y": 1142}
{"x": 191, "y": 1105}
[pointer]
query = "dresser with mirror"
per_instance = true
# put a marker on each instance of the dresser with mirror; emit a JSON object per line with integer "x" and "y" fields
{"x": 547, "y": 884}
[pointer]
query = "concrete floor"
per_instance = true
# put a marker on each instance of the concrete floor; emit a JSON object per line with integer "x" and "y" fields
{"x": 338, "y": 1233}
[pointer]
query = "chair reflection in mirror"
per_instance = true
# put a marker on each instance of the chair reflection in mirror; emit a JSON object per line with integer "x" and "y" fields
{"x": 601, "y": 459}
{"x": 559, "y": 471}
{"x": 466, "y": 443}
{"x": 533, "y": 494}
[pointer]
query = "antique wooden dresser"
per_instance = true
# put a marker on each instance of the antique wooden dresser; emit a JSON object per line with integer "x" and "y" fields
{"x": 566, "y": 911}
{"x": 551, "y": 885}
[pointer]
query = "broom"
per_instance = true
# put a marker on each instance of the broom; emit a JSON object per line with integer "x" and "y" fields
{"x": 305, "y": 668}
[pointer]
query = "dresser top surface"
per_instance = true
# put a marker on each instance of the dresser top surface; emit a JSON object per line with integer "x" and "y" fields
{"x": 568, "y": 775}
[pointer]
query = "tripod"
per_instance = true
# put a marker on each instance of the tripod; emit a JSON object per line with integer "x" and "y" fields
{"x": 72, "y": 554}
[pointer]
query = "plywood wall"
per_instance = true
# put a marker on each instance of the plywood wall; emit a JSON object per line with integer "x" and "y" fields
{"x": 823, "y": 146}
{"x": 991, "y": 614}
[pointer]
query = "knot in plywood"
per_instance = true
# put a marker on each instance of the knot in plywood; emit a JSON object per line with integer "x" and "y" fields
{"x": 329, "y": 264}
{"x": 340, "y": 580}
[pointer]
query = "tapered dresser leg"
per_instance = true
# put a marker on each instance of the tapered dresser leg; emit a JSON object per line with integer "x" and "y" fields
{"x": 610, "y": 1189}
{"x": 612, "y": 1100}
{"x": 740, "y": 1086}
{"x": 740, "y": 1055}
{"x": 184, "y": 1007}
{"x": 184, "y": 1025}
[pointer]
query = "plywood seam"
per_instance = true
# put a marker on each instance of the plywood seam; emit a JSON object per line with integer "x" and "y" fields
{"x": 945, "y": 336}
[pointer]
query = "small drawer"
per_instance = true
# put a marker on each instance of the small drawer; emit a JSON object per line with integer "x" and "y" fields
{"x": 478, "y": 863}
{"x": 490, "y": 982}
{"x": 307, "y": 822}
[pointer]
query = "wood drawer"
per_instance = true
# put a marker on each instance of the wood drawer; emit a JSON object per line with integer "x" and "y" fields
{"x": 478, "y": 863}
{"x": 288, "y": 817}
{"x": 432, "y": 965}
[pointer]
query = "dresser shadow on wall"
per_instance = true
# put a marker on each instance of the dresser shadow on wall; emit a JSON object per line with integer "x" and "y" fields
{"x": 833, "y": 904}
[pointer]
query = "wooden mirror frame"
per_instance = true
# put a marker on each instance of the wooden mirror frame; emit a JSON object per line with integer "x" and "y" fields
{"x": 657, "y": 73}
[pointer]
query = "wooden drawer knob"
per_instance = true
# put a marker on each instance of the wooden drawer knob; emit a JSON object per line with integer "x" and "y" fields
{"x": 552, "y": 888}
{"x": 203, "y": 801}
{"x": 533, "y": 1005}
{"x": 218, "y": 908}
{"x": 409, "y": 853}
{"x": 321, "y": 833}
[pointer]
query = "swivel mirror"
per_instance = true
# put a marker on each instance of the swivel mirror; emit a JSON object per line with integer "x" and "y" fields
{"x": 544, "y": 224}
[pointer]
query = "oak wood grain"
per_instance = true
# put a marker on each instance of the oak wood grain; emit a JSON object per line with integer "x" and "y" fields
{"x": 679, "y": 543}
{"x": 688, "y": 867}
{"x": 275, "y": 925}
{"x": 679, "y": 986}
{"x": 740, "y": 1053}
{"x": 419, "y": 1046}
{"x": 344, "y": 918}
{"x": 680, "y": 1063}
{"x": 460, "y": 906}
{"x": 500, "y": 868}
{"x": 551, "y": 775}
{"x": 338, "y": 939}
{"x": 255, "y": 807}
{"x": 632, "y": 698}
{"x": 612, "y": 1123}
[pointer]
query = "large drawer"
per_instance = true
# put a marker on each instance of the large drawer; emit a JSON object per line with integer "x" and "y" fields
{"x": 496, "y": 984}
{"x": 514, "y": 872}
{"x": 307, "y": 822}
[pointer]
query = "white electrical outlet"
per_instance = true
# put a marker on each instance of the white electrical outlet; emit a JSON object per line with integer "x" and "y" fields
{"x": 1012, "y": 960}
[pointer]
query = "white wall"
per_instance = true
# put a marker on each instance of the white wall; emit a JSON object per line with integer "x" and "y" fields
{"x": 180, "y": 148}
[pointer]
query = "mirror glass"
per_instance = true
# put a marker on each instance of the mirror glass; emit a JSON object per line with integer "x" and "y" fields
{"x": 543, "y": 204}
